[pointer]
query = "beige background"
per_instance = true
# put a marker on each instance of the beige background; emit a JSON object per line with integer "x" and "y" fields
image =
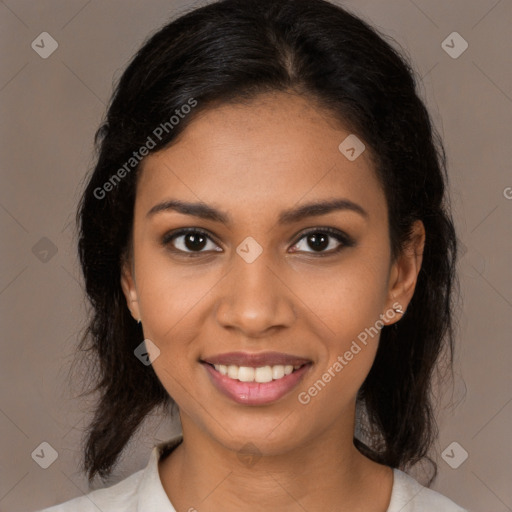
{"x": 50, "y": 109}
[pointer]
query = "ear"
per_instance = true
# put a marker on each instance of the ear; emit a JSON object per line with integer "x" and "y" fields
{"x": 129, "y": 289}
{"x": 404, "y": 274}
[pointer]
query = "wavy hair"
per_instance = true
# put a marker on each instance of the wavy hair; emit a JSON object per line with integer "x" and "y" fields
{"x": 232, "y": 51}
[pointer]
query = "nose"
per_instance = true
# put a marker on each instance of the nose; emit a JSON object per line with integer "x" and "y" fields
{"x": 254, "y": 298}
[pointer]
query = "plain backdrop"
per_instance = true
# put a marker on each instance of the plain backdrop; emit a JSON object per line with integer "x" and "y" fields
{"x": 49, "y": 110}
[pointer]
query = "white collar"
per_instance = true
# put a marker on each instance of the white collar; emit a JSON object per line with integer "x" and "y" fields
{"x": 151, "y": 493}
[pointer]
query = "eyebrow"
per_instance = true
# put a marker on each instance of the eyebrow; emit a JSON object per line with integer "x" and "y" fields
{"x": 290, "y": 216}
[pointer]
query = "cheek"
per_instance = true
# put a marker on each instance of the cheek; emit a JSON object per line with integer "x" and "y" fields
{"x": 349, "y": 301}
{"x": 170, "y": 296}
{"x": 173, "y": 301}
{"x": 349, "y": 297}
{"x": 352, "y": 313}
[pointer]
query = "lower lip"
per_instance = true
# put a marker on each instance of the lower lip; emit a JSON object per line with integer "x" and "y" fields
{"x": 255, "y": 393}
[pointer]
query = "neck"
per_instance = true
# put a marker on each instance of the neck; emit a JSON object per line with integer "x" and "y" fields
{"x": 326, "y": 472}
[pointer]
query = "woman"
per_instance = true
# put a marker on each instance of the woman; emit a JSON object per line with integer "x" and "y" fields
{"x": 267, "y": 244}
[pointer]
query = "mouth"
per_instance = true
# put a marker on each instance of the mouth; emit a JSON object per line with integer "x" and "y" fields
{"x": 256, "y": 384}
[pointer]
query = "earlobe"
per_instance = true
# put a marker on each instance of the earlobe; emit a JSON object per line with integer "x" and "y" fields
{"x": 404, "y": 274}
{"x": 130, "y": 291}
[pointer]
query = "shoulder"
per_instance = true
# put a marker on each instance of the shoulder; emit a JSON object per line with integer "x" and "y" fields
{"x": 408, "y": 495}
{"x": 142, "y": 490}
{"x": 122, "y": 496}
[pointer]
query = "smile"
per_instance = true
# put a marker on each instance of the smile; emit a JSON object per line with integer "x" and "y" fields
{"x": 255, "y": 385}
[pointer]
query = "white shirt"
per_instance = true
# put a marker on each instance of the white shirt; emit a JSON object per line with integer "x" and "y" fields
{"x": 143, "y": 492}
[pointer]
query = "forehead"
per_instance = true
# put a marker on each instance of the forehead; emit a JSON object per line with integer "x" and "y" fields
{"x": 277, "y": 150}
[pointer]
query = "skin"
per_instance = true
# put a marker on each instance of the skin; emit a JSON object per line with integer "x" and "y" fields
{"x": 253, "y": 161}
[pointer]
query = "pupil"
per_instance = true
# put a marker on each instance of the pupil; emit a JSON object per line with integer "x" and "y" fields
{"x": 318, "y": 241}
{"x": 195, "y": 241}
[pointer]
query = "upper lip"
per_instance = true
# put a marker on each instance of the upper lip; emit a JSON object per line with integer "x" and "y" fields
{"x": 255, "y": 360}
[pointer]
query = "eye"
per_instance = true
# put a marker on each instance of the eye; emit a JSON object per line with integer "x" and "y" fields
{"x": 193, "y": 240}
{"x": 318, "y": 239}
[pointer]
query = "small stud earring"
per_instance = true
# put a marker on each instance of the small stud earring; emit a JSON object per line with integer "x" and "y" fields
{"x": 398, "y": 310}
{"x": 139, "y": 321}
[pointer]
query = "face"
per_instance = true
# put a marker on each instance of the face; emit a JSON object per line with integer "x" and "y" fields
{"x": 247, "y": 278}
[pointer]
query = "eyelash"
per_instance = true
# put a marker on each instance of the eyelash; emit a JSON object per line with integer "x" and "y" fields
{"x": 343, "y": 238}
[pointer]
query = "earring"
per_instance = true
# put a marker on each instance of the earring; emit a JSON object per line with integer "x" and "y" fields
{"x": 398, "y": 310}
{"x": 139, "y": 321}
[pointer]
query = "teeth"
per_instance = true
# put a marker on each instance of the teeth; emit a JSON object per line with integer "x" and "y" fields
{"x": 277, "y": 372}
{"x": 261, "y": 374}
{"x": 246, "y": 374}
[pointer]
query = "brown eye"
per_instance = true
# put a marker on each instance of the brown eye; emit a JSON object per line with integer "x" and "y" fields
{"x": 321, "y": 239}
{"x": 189, "y": 241}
